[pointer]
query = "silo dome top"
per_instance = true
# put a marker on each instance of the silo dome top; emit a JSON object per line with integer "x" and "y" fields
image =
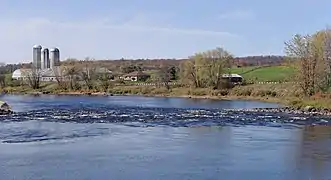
{"x": 45, "y": 49}
{"x": 54, "y": 49}
{"x": 37, "y": 46}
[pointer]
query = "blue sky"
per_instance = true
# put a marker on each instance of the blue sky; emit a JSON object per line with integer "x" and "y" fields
{"x": 111, "y": 29}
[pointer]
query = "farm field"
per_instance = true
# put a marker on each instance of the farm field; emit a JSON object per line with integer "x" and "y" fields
{"x": 264, "y": 74}
{"x": 259, "y": 73}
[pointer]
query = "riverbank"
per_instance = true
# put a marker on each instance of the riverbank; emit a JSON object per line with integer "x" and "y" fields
{"x": 277, "y": 93}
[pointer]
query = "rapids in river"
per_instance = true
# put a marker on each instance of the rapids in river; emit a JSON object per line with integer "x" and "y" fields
{"x": 134, "y": 137}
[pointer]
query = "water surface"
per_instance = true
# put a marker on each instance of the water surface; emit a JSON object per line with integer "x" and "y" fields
{"x": 132, "y": 137}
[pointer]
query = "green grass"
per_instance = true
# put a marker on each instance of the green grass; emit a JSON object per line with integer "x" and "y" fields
{"x": 263, "y": 74}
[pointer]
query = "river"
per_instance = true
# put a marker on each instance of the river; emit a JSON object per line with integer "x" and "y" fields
{"x": 133, "y": 137}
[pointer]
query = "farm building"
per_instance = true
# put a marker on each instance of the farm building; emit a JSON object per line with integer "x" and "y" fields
{"x": 234, "y": 78}
{"x": 55, "y": 74}
{"x": 135, "y": 76}
{"x": 44, "y": 74}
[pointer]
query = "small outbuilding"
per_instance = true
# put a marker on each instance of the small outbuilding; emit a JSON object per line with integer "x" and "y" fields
{"x": 233, "y": 78}
{"x": 135, "y": 76}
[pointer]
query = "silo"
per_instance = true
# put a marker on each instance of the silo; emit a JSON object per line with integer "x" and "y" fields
{"x": 54, "y": 57}
{"x": 37, "y": 56}
{"x": 45, "y": 63}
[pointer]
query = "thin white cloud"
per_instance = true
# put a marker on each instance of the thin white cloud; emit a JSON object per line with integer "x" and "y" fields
{"x": 237, "y": 15}
{"x": 103, "y": 39}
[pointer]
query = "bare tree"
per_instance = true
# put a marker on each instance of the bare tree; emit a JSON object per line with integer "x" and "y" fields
{"x": 104, "y": 76}
{"x": 301, "y": 49}
{"x": 216, "y": 61}
{"x": 323, "y": 39}
{"x": 189, "y": 72}
{"x": 32, "y": 76}
{"x": 60, "y": 77}
{"x": 88, "y": 73}
{"x": 72, "y": 73}
{"x": 205, "y": 69}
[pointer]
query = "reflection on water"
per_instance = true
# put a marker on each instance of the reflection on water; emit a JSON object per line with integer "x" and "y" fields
{"x": 315, "y": 150}
{"x": 159, "y": 138}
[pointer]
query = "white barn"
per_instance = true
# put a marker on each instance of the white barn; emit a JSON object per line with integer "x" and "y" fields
{"x": 44, "y": 74}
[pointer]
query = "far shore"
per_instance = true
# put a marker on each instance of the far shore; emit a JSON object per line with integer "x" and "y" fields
{"x": 279, "y": 93}
{"x": 79, "y": 93}
{"x": 284, "y": 108}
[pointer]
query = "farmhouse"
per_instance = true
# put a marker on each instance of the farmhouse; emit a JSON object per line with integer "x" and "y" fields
{"x": 135, "y": 76}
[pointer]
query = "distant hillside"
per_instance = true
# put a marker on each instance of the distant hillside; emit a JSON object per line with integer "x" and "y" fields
{"x": 153, "y": 64}
{"x": 266, "y": 73}
{"x": 259, "y": 60}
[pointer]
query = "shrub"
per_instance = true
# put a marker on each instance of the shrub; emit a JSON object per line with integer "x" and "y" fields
{"x": 198, "y": 92}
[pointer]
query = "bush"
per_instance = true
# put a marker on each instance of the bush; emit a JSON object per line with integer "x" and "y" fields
{"x": 241, "y": 91}
{"x": 161, "y": 90}
{"x": 222, "y": 92}
{"x": 198, "y": 92}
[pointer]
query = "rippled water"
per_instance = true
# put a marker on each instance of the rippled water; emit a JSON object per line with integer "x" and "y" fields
{"x": 132, "y": 137}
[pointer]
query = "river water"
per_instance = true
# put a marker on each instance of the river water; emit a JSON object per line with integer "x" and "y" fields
{"x": 132, "y": 137}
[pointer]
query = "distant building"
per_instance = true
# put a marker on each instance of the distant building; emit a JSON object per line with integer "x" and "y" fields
{"x": 45, "y": 59}
{"x": 135, "y": 76}
{"x": 36, "y": 62}
{"x": 20, "y": 74}
{"x": 233, "y": 78}
{"x": 44, "y": 74}
{"x": 54, "y": 57}
{"x": 44, "y": 64}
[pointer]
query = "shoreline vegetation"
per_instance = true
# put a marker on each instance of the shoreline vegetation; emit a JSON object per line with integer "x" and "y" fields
{"x": 301, "y": 80}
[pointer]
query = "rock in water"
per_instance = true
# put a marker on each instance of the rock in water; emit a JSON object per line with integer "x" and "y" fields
{"x": 5, "y": 108}
{"x": 308, "y": 108}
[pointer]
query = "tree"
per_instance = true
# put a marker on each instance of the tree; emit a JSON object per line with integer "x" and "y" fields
{"x": 322, "y": 43}
{"x": 205, "y": 69}
{"x": 301, "y": 48}
{"x": 3, "y": 80}
{"x": 189, "y": 72}
{"x": 88, "y": 74}
{"x": 312, "y": 54}
{"x": 104, "y": 78}
{"x": 71, "y": 74}
{"x": 60, "y": 77}
{"x": 216, "y": 61}
{"x": 164, "y": 76}
{"x": 130, "y": 68}
{"x": 32, "y": 76}
{"x": 173, "y": 72}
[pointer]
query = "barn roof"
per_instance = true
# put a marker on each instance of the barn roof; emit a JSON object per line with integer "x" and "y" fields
{"x": 231, "y": 75}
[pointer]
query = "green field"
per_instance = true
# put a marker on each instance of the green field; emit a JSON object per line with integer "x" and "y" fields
{"x": 260, "y": 73}
{"x": 263, "y": 74}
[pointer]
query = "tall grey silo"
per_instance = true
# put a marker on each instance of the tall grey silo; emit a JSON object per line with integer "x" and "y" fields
{"x": 54, "y": 57}
{"x": 45, "y": 62}
{"x": 37, "y": 56}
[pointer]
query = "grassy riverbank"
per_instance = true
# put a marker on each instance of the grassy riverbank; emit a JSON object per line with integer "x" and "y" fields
{"x": 287, "y": 94}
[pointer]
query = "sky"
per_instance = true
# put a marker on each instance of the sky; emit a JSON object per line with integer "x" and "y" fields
{"x": 113, "y": 29}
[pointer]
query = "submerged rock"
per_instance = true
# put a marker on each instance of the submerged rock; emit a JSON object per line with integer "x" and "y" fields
{"x": 5, "y": 108}
{"x": 309, "y": 110}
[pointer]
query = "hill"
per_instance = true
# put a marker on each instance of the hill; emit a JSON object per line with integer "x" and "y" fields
{"x": 265, "y": 73}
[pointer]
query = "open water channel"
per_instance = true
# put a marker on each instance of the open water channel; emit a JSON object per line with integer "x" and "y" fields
{"x": 132, "y": 137}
